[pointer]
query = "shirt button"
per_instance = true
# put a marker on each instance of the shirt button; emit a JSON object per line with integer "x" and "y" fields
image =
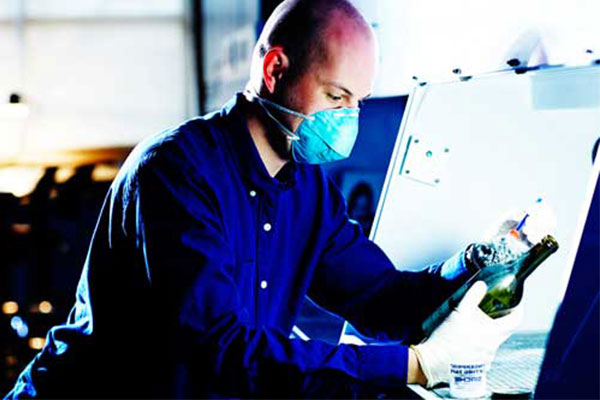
{"x": 267, "y": 227}
{"x": 263, "y": 284}
{"x": 253, "y": 193}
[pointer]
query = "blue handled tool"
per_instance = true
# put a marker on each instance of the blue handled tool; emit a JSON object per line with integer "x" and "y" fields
{"x": 515, "y": 232}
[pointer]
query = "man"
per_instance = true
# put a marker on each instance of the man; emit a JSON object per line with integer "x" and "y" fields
{"x": 213, "y": 233}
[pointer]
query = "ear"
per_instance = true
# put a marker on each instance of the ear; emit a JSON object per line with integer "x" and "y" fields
{"x": 275, "y": 64}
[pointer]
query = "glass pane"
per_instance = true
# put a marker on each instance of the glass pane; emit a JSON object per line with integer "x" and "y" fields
{"x": 510, "y": 139}
{"x": 103, "y": 84}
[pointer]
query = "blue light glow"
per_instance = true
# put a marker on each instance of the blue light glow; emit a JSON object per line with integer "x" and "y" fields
{"x": 16, "y": 322}
{"x": 23, "y": 331}
{"x": 20, "y": 326}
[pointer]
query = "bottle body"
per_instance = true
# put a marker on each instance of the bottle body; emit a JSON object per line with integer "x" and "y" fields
{"x": 504, "y": 293}
{"x": 505, "y": 282}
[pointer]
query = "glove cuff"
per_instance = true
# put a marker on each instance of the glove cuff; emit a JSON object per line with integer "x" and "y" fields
{"x": 424, "y": 361}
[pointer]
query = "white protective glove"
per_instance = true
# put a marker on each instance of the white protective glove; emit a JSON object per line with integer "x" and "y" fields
{"x": 467, "y": 334}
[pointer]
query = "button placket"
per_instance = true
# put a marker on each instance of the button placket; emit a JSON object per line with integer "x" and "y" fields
{"x": 257, "y": 204}
{"x": 266, "y": 229}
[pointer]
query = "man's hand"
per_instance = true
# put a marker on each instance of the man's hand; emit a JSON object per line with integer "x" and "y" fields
{"x": 467, "y": 333}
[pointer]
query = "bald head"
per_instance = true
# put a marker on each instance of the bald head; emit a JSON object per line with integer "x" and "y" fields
{"x": 305, "y": 30}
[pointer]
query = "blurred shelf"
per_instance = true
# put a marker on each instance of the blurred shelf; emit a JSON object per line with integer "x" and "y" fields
{"x": 71, "y": 158}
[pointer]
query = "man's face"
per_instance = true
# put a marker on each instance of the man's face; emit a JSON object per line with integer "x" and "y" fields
{"x": 342, "y": 79}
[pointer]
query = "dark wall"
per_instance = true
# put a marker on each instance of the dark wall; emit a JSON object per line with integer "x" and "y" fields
{"x": 366, "y": 167}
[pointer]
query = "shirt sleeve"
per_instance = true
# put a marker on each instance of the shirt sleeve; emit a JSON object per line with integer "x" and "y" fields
{"x": 356, "y": 280}
{"x": 191, "y": 265}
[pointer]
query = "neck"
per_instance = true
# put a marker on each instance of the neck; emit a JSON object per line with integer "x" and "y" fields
{"x": 271, "y": 158}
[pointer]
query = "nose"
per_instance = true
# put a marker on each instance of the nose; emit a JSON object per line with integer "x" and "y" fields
{"x": 353, "y": 103}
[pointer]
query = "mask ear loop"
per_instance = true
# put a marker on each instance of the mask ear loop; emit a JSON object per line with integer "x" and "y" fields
{"x": 254, "y": 96}
{"x": 264, "y": 102}
{"x": 286, "y": 110}
{"x": 291, "y": 135}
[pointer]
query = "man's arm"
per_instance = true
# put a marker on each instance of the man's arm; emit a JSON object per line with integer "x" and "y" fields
{"x": 356, "y": 280}
{"x": 186, "y": 253}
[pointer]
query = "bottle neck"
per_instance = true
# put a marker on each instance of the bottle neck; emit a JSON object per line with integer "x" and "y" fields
{"x": 535, "y": 256}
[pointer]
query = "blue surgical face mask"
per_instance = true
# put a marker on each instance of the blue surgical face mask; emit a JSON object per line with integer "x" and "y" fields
{"x": 321, "y": 137}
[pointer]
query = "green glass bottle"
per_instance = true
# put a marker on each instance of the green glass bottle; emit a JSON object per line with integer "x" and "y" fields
{"x": 505, "y": 287}
{"x": 505, "y": 282}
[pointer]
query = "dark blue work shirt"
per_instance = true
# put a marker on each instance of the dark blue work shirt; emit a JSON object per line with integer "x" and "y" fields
{"x": 197, "y": 270}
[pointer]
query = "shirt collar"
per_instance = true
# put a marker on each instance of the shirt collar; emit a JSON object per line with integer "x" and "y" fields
{"x": 246, "y": 154}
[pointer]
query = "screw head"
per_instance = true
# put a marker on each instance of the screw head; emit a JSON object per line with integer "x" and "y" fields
{"x": 514, "y": 62}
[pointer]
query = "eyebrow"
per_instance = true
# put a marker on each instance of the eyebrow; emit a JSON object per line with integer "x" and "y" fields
{"x": 343, "y": 88}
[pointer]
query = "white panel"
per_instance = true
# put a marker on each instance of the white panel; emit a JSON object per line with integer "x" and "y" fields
{"x": 430, "y": 38}
{"x": 11, "y": 126}
{"x": 9, "y": 9}
{"x": 11, "y": 131}
{"x": 506, "y": 149}
{"x": 9, "y": 62}
{"x": 102, "y": 84}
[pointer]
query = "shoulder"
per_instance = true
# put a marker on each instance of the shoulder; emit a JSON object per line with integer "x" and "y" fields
{"x": 192, "y": 140}
{"x": 183, "y": 152}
